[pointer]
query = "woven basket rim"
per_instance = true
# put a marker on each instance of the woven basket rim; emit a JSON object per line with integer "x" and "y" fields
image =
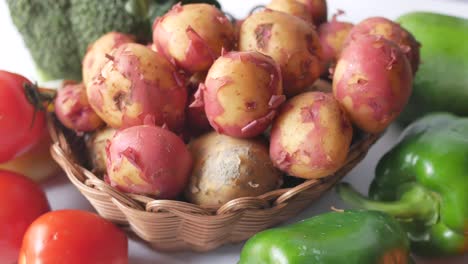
{"x": 81, "y": 177}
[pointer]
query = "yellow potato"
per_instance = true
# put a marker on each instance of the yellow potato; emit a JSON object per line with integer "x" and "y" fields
{"x": 227, "y": 168}
{"x": 242, "y": 92}
{"x": 193, "y": 35}
{"x": 136, "y": 86}
{"x": 311, "y": 136}
{"x": 96, "y": 146}
{"x": 95, "y": 57}
{"x": 292, "y": 7}
{"x": 292, "y": 42}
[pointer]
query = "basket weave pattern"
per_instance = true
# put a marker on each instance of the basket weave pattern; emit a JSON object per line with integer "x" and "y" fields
{"x": 171, "y": 225}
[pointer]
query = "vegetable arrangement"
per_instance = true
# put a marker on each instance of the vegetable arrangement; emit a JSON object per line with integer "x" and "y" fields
{"x": 147, "y": 112}
{"x": 240, "y": 86}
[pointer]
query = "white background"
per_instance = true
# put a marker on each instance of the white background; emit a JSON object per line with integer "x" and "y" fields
{"x": 61, "y": 194}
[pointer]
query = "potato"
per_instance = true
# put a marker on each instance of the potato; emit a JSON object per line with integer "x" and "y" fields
{"x": 148, "y": 160}
{"x": 227, "y": 168}
{"x": 317, "y": 9}
{"x": 379, "y": 26}
{"x": 73, "y": 109}
{"x": 96, "y": 145}
{"x": 193, "y": 35}
{"x": 311, "y": 136}
{"x": 291, "y": 7}
{"x": 241, "y": 93}
{"x": 95, "y": 57}
{"x": 290, "y": 41}
{"x": 372, "y": 81}
{"x": 332, "y": 37}
{"x": 136, "y": 86}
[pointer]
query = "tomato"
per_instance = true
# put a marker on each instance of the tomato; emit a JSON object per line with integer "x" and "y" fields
{"x": 36, "y": 164}
{"x": 18, "y": 133}
{"x": 21, "y": 202}
{"x": 72, "y": 236}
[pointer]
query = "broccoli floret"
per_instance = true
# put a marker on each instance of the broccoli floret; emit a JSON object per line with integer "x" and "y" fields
{"x": 58, "y": 32}
{"x": 46, "y": 30}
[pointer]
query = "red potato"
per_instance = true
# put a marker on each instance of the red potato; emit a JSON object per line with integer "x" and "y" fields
{"x": 73, "y": 109}
{"x": 226, "y": 168}
{"x": 291, "y": 7}
{"x": 332, "y": 37}
{"x": 193, "y": 35}
{"x": 95, "y": 57}
{"x": 379, "y": 26}
{"x": 317, "y": 9}
{"x": 372, "y": 81}
{"x": 148, "y": 160}
{"x": 136, "y": 86}
{"x": 311, "y": 136}
{"x": 241, "y": 94}
{"x": 96, "y": 146}
{"x": 290, "y": 41}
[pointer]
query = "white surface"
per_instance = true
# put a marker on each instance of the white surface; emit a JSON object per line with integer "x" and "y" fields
{"x": 61, "y": 194}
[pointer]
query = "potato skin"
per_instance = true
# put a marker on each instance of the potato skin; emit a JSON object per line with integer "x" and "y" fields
{"x": 372, "y": 81}
{"x": 291, "y": 7}
{"x": 73, "y": 109}
{"x": 96, "y": 145}
{"x": 290, "y": 41}
{"x": 311, "y": 136}
{"x": 241, "y": 94}
{"x": 332, "y": 36}
{"x": 193, "y": 35}
{"x": 138, "y": 85}
{"x": 148, "y": 160}
{"x": 227, "y": 168}
{"x": 380, "y": 26}
{"x": 95, "y": 56}
{"x": 317, "y": 9}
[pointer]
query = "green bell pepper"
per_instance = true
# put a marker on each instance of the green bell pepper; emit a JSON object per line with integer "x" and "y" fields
{"x": 352, "y": 237}
{"x": 423, "y": 182}
{"x": 441, "y": 83}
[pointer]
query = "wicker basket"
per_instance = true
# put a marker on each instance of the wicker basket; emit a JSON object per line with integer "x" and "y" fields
{"x": 171, "y": 225}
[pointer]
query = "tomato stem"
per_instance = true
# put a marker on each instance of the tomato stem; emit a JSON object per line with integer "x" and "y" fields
{"x": 39, "y": 98}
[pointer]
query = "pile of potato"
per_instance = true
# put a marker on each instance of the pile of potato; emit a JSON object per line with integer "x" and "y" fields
{"x": 148, "y": 111}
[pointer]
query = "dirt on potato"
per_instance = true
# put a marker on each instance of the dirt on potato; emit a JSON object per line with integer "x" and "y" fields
{"x": 227, "y": 168}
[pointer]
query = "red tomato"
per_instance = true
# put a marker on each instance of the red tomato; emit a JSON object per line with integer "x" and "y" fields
{"x": 72, "y": 236}
{"x": 21, "y": 202}
{"x": 16, "y": 116}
